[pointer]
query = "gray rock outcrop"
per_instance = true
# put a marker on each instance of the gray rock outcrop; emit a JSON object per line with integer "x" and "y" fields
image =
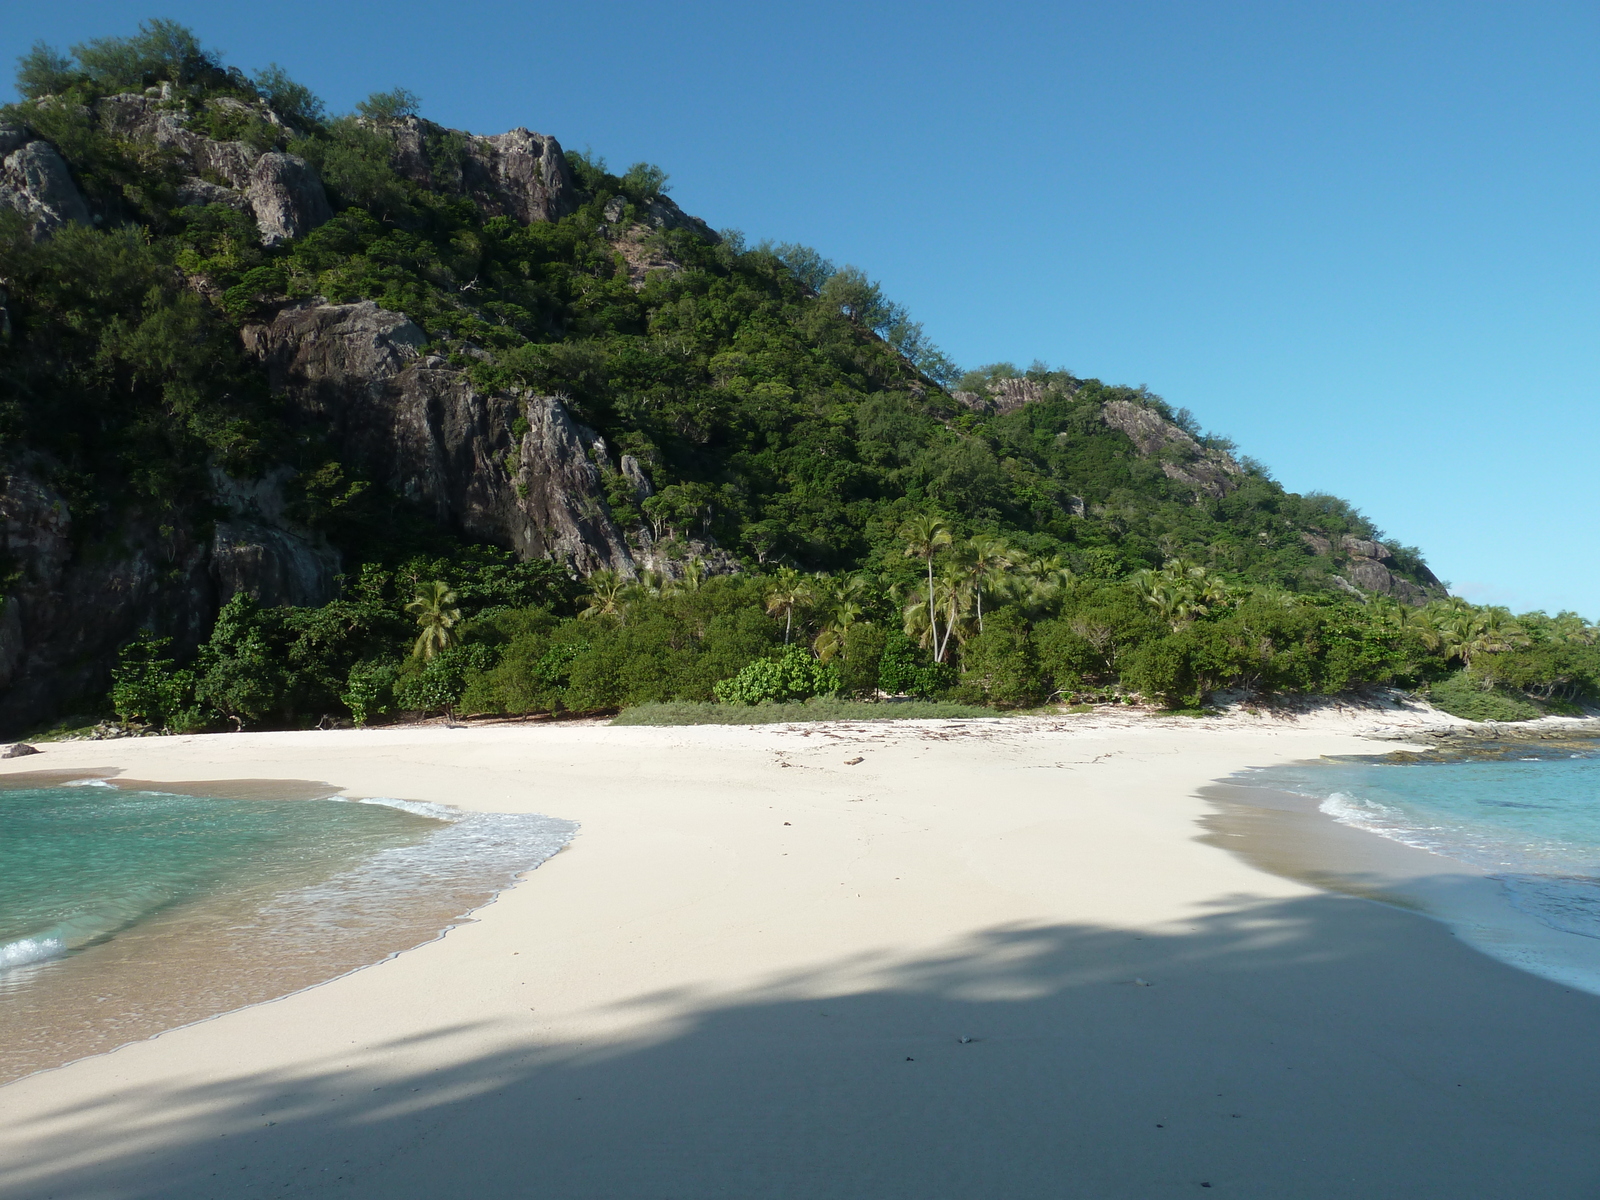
{"x": 281, "y": 190}
{"x": 507, "y": 467}
{"x": 1367, "y": 564}
{"x": 519, "y": 174}
{"x": 35, "y": 181}
{"x": 1209, "y": 472}
{"x": 633, "y": 472}
{"x": 287, "y": 198}
{"x": 1365, "y": 569}
{"x": 1008, "y": 395}
{"x": 260, "y": 551}
{"x": 1001, "y": 396}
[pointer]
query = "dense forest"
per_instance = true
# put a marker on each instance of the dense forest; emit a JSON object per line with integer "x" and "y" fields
{"x": 815, "y": 500}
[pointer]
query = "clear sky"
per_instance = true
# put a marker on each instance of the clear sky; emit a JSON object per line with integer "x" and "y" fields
{"x": 1358, "y": 238}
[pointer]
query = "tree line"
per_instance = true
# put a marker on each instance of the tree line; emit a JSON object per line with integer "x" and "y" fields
{"x": 970, "y": 618}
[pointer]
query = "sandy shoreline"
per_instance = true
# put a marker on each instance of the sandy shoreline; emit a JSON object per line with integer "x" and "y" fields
{"x": 751, "y": 972}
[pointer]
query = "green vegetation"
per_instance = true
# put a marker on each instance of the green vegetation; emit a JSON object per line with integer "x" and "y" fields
{"x": 688, "y": 713}
{"x": 1461, "y": 696}
{"x": 772, "y": 641}
{"x": 894, "y": 539}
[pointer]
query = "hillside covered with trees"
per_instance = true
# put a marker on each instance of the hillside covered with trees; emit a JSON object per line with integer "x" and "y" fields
{"x": 311, "y": 416}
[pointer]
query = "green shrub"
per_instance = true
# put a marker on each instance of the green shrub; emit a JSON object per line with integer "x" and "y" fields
{"x": 999, "y": 665}
{"x": 795, "y": 675}
{"x": 437, "y": 684}
{"x": 369, "y": 689}
{"x": 1463, "y": 696}
{"x": 820, "y": 708}
{"x": 147, "y": 688}
{"x": 1160, "y": 670}
{"x": 905, "y": 669}
{"x": 860, "y": 660}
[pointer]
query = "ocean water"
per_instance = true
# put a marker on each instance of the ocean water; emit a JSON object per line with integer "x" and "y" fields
{"x": 128, "y": 911}
{"x": 1527, "y": 817}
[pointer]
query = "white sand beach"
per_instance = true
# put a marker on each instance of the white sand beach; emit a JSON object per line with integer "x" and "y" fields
{"x": 989, "y": 959}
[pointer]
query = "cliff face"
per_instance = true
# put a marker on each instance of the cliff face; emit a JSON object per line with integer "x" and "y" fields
{"x": 69, "y": 605}
{"x": 35, "y": 181}
{"x": 508, "y": 467}
{"x": 511, "y": 467}
{"x": 281, "y": 190}
{"x": 520, "y": 174}
{"x": 1211, "y": 473}
{"x": 72, "y": 602}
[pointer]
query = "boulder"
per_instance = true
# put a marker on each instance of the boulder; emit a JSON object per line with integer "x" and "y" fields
{"x": 425, "y": 431}
{"x": 1318, "y": 544}
{"x": 194, "y": 190}
{"x": 1370, "y": 575}
{"x": 520, "y": 174}
{"x": 19, "y": 750}
{"x": 287, "y": 198}
{"x": 139, "y": 118}
{"x": 1363, "y": 548}
{"x": 663, "y": 213}
{"x": 282, "y": 190}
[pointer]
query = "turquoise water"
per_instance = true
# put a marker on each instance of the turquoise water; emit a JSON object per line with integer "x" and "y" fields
{"x": 128, "y": 911}
{"x": 80, "y": 864}
{"x": 1530, "y": 818}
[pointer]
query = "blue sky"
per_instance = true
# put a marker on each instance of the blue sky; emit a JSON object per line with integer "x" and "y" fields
{"x": 1360, "y": 239}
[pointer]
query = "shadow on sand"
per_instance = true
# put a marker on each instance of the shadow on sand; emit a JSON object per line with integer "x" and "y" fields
{"x": 1316, "y": 1047}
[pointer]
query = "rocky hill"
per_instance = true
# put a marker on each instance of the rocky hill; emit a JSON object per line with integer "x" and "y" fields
{"x": 247, "y": 348}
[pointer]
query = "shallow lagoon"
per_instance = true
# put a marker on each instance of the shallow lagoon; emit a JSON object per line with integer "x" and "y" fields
{"x": 129, "y": 909}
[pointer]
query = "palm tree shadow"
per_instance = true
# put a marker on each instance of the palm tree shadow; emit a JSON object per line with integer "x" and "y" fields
{"x": 1313, "y": 1047}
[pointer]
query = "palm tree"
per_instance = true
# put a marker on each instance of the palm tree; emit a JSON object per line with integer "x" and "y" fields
{"x": 694, "y": 574}
{"x": 925, "y": 535}
{"x": 989, "y": 558}
{"x": 1181, "y": 591}
{"x": 1568, "y": 628}
{"x": 1463, "y": 631}
{"x": 840, "y": 605}
{"x": 789, "y": 590}
{"x": 647, "y": 585}
{"x": 436, "y": 614}
{"x": 950, "y": 592}
{"x": 606, "y": 594}
{"x": 1039, "y": 581}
